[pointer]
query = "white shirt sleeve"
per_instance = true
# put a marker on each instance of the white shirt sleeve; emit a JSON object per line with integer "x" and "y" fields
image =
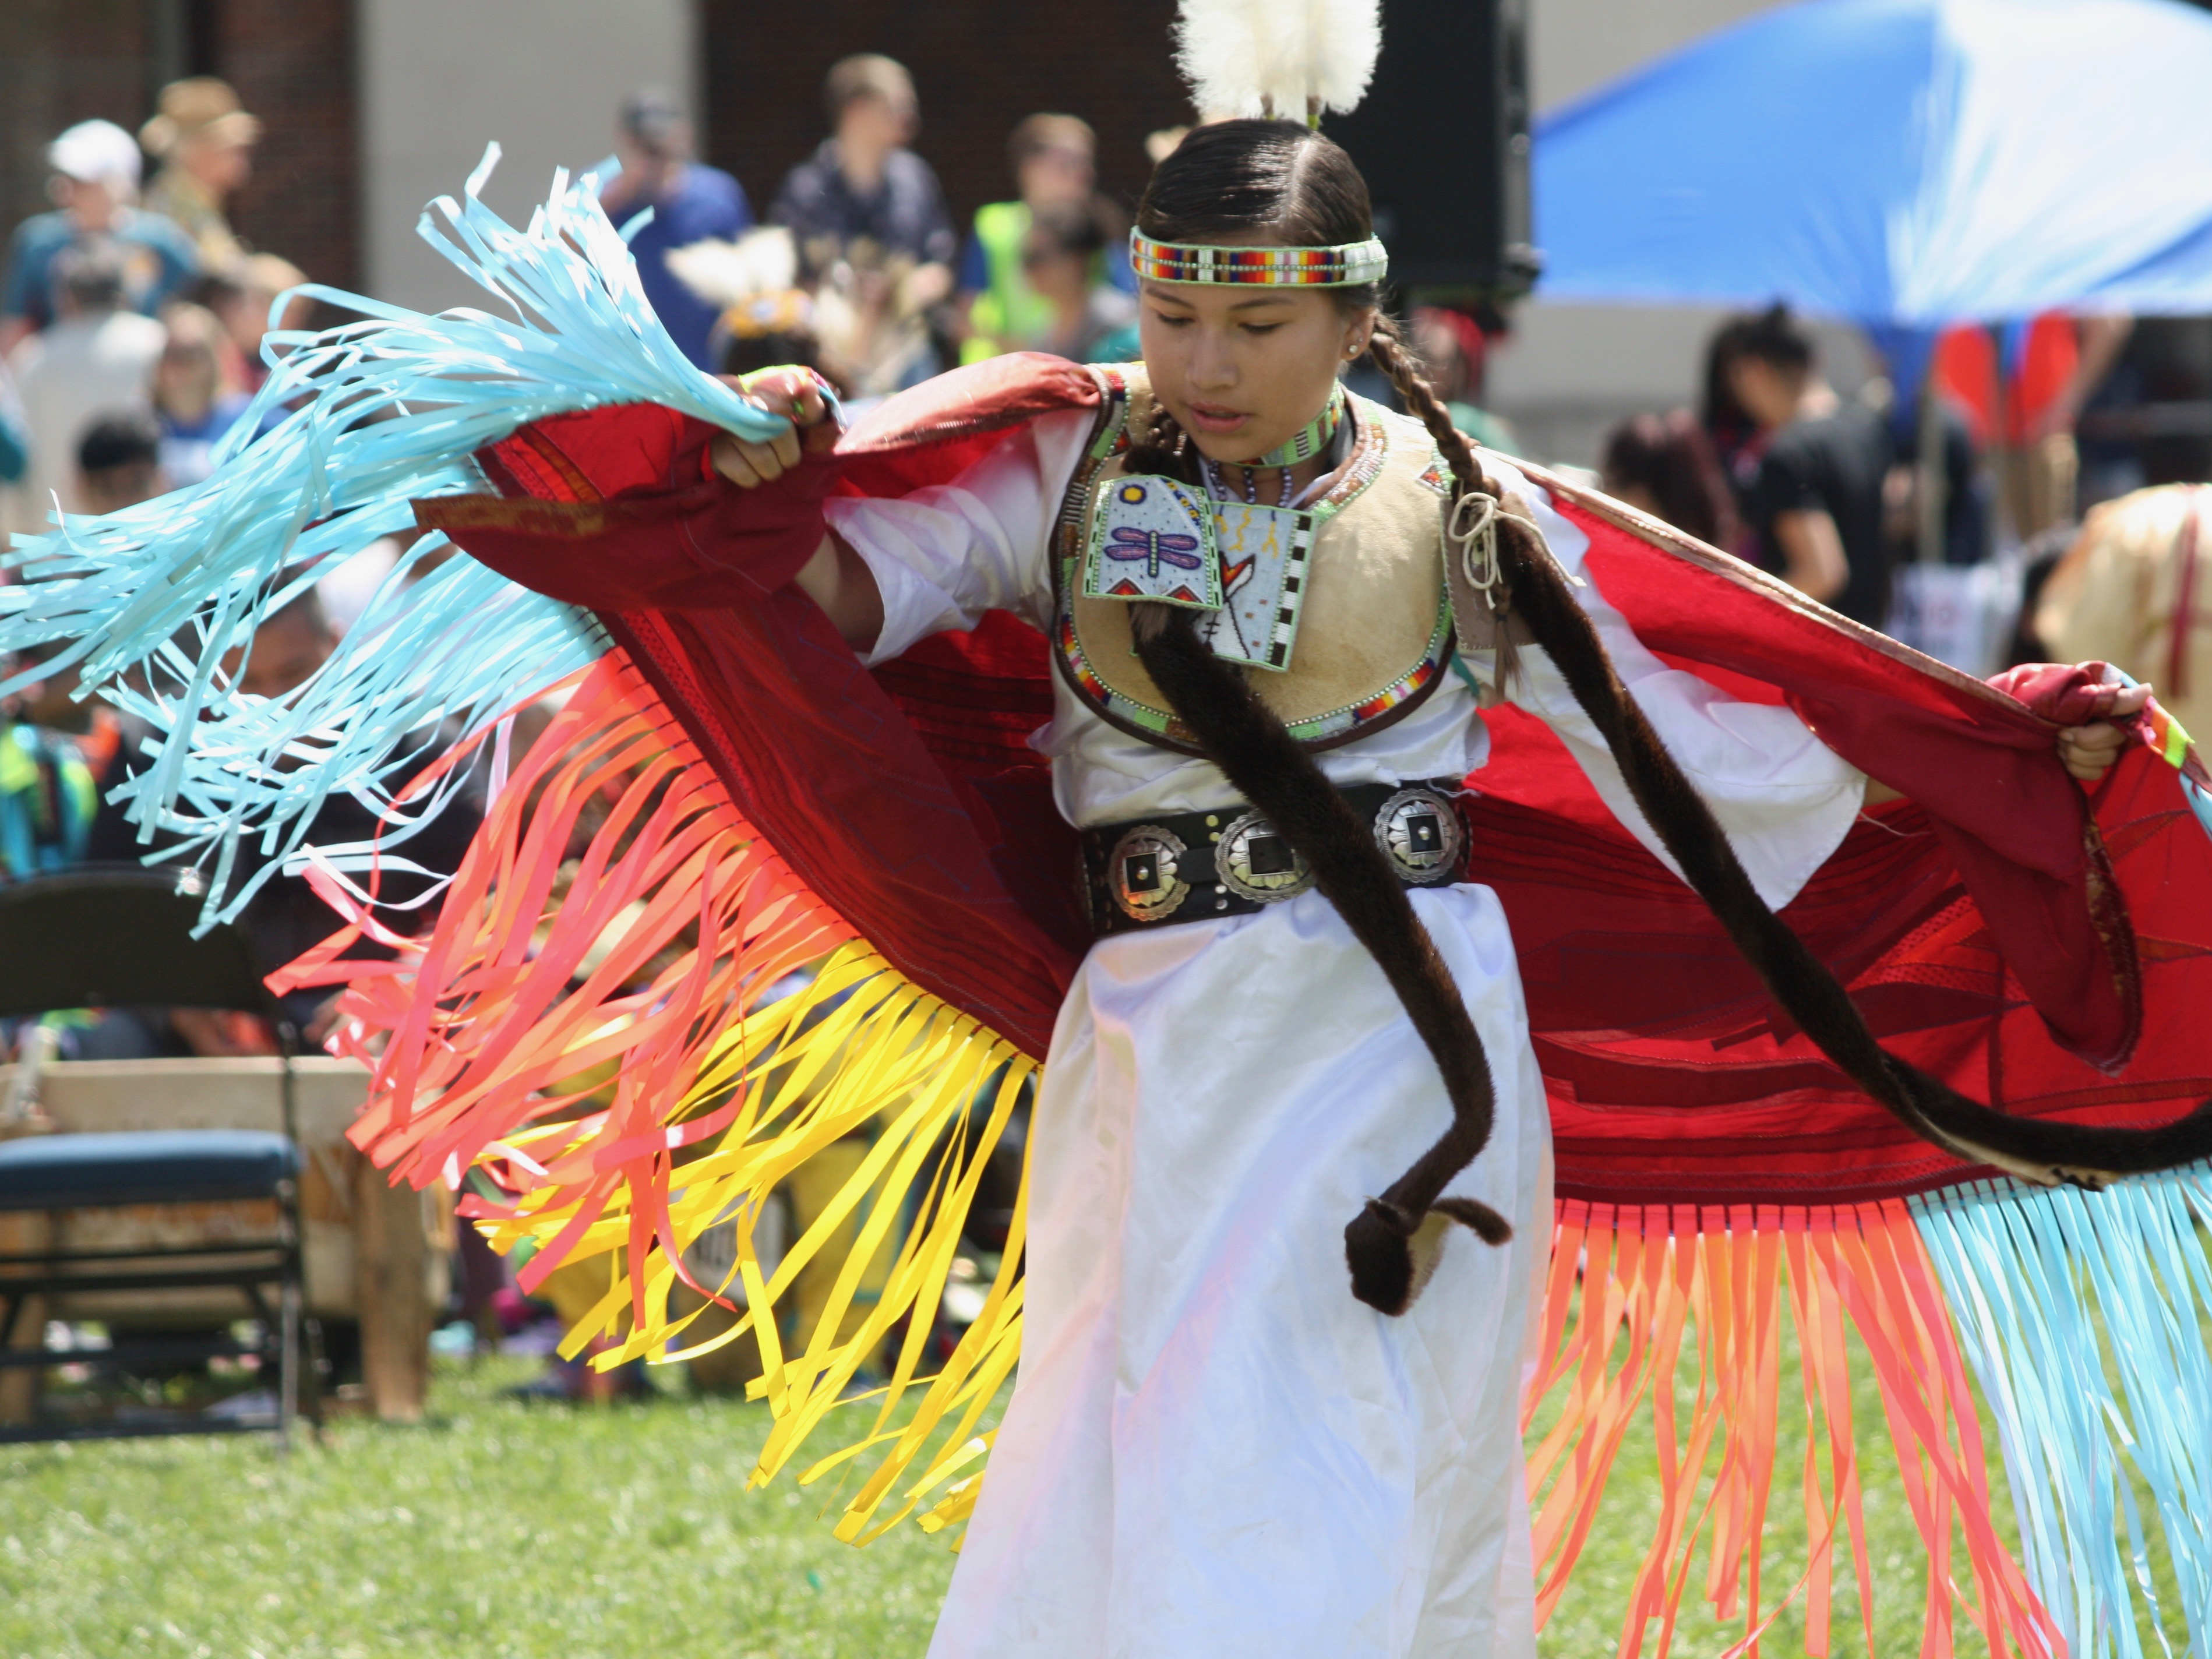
{"x": 1784, "y": 798}
{"x": 945, "y": 555}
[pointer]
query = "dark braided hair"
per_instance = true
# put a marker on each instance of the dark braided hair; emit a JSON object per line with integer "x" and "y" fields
{"x": 1236, "y": 178}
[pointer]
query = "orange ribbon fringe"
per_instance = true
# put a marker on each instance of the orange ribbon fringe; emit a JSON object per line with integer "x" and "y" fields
{"x": 520, "y": 995}
{"x": 1627, "y": 1283}
{"x": 488, "y": 1037}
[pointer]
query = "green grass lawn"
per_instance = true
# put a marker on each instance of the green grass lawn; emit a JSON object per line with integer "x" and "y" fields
{"x": 557, "y": 1531}
{"x": 498, "y": 1529}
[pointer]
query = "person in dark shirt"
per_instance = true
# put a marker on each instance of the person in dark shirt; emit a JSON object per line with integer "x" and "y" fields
{"x": 865, "y": 185}
{"x": 1808, "y": 467}
{"x": 689, "y": 202}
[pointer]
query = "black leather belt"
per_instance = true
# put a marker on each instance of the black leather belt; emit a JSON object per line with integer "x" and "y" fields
{"x": 1190, "y": 866}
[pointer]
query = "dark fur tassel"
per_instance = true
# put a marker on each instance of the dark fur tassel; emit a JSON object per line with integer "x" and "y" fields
{"x": 1393, "y": 1245}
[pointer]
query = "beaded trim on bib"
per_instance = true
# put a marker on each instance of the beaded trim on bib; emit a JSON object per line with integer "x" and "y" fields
{"x": 1261, "y": 647}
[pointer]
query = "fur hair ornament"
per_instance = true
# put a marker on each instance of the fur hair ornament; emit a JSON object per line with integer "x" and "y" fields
{"x": 1277, "y": 57}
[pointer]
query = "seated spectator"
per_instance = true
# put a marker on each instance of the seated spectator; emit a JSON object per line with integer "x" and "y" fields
{"x": 1055, "y": 160}
{"x": 690, "y": 204}
{"x": 118, "y": 462}
{"x": 244, "y": 305}
{"x": 204, "y": 143}
{"x": 1083, "y": 319}
{"x": 96, "y": 360}
{"x": 1456, "y": 350}
{"x": 864, "y": 184}
{"x": 95, "y": 179}
{"x": 1663, "y": 465}
{"x": 193, "y": 400}
{"x": 1808, "y": 468}
{"x": 47, "y": 798}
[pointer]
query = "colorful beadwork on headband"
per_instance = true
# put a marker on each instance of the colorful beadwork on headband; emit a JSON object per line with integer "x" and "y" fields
{"x": 1344, "y": 267}
{"x": 1310, "y": 440}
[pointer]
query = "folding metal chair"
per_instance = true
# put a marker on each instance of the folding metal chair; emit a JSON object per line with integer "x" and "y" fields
{"x": 109, "y": 937}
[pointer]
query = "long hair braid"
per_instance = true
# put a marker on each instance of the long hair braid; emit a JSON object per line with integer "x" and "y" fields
{"x": 1392, "y": 1245}
{"x": 1395, "y": 1243}
{"x": 1228, "y": 180}
{"x": 1537, "y": 593}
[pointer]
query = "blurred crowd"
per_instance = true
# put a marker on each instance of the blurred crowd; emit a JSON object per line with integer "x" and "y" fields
{"x": 132, "y": 323}
{"x": 2031, "y": 493}
{"x": 1995, "y": 498}
{"x": 133, "y": 303}
{"x": 136, "y": 327}
{"x": 859, "y": 271}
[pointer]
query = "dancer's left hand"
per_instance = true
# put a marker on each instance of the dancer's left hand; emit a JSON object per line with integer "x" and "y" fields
{"x": 796, "y": 395}
{"x": 2089, "y": 751}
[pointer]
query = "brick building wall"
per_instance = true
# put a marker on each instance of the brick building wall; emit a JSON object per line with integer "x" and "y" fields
{"x": 63, "y": 62}
{"x": 979, "y": 65}
{"x": 292, "y": 60}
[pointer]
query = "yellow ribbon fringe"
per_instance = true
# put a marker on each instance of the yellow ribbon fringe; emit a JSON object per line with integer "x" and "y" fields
{"x": 893, "y": 1064}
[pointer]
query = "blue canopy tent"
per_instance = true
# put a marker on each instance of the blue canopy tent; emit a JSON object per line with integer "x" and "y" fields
{"x": 1909, "y": 165}
{"x": 1906, "y": 164}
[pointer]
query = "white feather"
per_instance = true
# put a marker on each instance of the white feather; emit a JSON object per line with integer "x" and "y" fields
{"x": 1282, "y": 57}
{"x": 762, "y": 261}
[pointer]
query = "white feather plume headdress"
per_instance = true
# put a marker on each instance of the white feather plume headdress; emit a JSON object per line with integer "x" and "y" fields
{"x": 1280, "y": 57}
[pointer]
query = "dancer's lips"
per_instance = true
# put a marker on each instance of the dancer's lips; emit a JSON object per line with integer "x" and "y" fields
{"x": 1217, "y": 419}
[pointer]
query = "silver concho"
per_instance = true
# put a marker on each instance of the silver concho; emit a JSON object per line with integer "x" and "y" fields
{"x": 1255, "y": 862}
{"x": 1420, "y": 833}
{"x": 1144, "y": 873}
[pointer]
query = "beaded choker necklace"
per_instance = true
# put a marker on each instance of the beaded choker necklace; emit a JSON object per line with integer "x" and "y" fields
{"x": 1314, "y": 438}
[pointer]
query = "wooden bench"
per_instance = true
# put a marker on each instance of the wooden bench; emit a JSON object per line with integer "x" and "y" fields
{"x": 373, "y": 1254}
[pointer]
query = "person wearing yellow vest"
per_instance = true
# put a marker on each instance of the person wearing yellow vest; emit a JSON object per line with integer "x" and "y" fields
{"x": 1055, "y": 163}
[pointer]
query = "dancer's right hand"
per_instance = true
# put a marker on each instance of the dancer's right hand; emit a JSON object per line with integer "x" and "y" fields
{"x": 793, "y": 393}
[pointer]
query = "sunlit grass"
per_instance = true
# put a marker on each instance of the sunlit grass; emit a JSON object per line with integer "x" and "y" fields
{"x": 505, "y": 1530}
{"x": 498, "y": 1530}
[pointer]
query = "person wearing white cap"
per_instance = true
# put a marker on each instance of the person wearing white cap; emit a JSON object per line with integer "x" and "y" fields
{"x": 96, "y": 181}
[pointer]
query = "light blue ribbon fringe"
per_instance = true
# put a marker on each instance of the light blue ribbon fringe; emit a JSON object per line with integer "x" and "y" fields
{"x": 2082, "y": 1316}
{"x": 389, "y": 410}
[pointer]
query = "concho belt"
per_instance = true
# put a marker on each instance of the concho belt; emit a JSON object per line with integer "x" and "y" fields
{"x": 1190, "y": 866}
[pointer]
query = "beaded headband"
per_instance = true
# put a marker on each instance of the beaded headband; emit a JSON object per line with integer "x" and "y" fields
{"x": 1346, "y": 265}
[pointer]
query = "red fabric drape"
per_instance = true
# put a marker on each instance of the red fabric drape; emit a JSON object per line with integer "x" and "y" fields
{"x": 1984, "y": 930}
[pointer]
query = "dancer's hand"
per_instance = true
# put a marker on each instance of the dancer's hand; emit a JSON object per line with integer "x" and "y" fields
{"x": 2089, "y": 751}
{"x": 793, "y": 393}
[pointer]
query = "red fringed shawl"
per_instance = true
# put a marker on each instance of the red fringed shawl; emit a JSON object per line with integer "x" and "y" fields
{"x": 2033, "y": 945}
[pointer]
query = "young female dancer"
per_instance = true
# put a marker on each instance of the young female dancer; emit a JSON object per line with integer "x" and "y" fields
{"x": 1213, "y": 1449}
{"x": 1266, "y": 616}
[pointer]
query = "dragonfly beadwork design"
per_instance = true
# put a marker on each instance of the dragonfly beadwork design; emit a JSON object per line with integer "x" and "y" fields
{"x": 1127, "y": 543}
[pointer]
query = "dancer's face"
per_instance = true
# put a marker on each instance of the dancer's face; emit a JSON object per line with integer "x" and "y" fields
{"x": 1242, "y": 367}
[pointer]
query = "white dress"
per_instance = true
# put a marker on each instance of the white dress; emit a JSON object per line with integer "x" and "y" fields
{"x": 1213, "y": 1450}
